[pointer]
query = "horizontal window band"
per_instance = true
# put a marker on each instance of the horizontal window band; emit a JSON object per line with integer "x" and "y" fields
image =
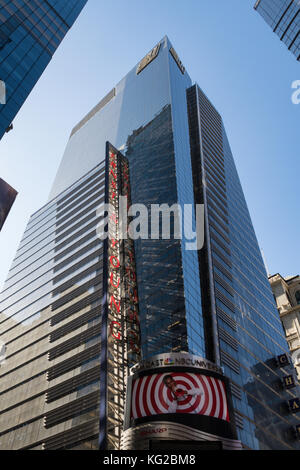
{"x": 221, "y": 255}
{"x": 217, "y": 168}
{"x": 204, "y": 102}
{"x": 209, "y": 117}
{"x": 212, "y": 132}
{"x": 71, "y": 409}
{"x": 71, "y": 385}
{"x": 74, "y": 246}
{"x": 83, "y": 202}
{"x": 227, "y": 319}
{"x": 89, "y": 430}
{"x": 224, "y": 284}
{"x": 230, "y": 362}
{"x": 78, "y": 254}
{"x": 21, "y": 425}
{"x": 78, "y": 234}
{"x": 239, "y": 421}
{"x": 213, "y": 190}
{"x": 74, "y": 342}
{"x": 213, "y": 170}
{"x": 20, "y": 403}
{"x": 220, "y": 232}
{"x": 83, "y": 303}
{"x": 71, "y": 437}
{"x": 74, "y": 227}
{"x": 78, "y": 265}
{"x": 214, "y": 149}
{"x": 70, "y": 222}
{"x": 220, "y": 244}
{"x": 216, "y": 200}
{"x": 99, "y": 180}
{"x": 86, "y": 208}
{"x": 78, "y": 277}
{"x": 61, "y": 203}
{"x": 215, "y": 185}
{"x": 80, "y": 290}
{"x": 225, "y": 300}
{"x": 236, "y": 390}
{"x": 213, "y": 210}
{"x": 73, "y": 362}
{"x": 23, "y": 364}
{"x": 218, "y": 222}
{"x": 19, "y": 384}
{"x": 75, "y": 324}
{"x": 225, "y": 336}
{"x": 221, "y": 268}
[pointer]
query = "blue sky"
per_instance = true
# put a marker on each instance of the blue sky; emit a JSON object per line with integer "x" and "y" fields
{"x": 227, "y": 49}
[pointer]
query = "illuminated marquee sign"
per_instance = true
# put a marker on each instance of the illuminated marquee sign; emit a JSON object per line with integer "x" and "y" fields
{"x": 120, "y": 343}
{"x": 177, "y": 60}
{"x": 122, "y": 284}
{"x": 148, "y": 59}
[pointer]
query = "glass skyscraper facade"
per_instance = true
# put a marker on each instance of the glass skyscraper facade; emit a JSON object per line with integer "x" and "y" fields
{"x": 215, "y": 303}
{"x": 30, "y": 33}
{"x": 242, "y": 317}
{"x": 284, "y": 18}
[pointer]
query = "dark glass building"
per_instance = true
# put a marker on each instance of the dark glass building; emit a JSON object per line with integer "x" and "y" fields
{"x": 284, "y": 18}
{"x": 215, "y": 303}
{"x": 7, "y": 198}
{"x": 30, "y": 33}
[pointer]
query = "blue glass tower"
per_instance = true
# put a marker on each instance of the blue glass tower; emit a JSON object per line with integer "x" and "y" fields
{"x": 30, "y": 33}
{"x": 283, "y": 16}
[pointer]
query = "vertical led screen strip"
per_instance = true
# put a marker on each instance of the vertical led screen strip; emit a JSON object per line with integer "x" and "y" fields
{"x": 120, "y": 342}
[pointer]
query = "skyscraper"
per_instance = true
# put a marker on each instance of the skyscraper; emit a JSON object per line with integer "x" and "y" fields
{"x": 284, "y": 18}
{"x": 30, "y": 33}
{"x": 70, "y": 339}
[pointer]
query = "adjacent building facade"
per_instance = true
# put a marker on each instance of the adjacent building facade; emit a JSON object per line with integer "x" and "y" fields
{"x": 286, "y": 291}
{"x": 77, "y": 311}
{"x": 283, "y": 16}
{"x": 30, "y": 33}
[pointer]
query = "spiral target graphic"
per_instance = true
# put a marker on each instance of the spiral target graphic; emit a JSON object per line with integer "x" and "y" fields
{"x": 195, "y": 393}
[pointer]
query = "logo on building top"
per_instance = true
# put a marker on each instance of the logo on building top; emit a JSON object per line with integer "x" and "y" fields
{"x": 177, "y": 60}
{"x": 148, "y": 59}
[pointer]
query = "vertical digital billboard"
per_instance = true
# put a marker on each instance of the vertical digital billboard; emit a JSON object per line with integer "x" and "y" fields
{"x": 120, "y": 342}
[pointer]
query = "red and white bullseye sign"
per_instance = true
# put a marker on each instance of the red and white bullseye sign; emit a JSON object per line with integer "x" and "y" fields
{"x": 179, "y": 393}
